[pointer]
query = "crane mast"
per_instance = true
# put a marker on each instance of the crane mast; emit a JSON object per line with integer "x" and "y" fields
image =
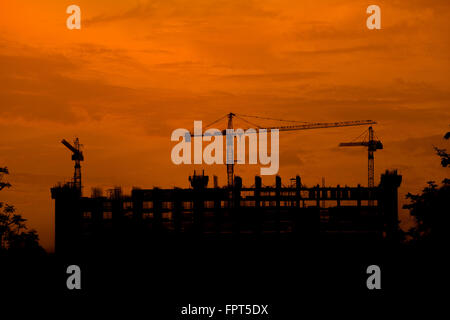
{"x": 77, "y": 157}
{"x": 371, "y": 162}
{"x": 372, "y": 145}
{"x": 230, "y": 152}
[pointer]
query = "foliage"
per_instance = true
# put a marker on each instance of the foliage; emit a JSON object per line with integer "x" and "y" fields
{"x": 442, "y": 153}
{"x": 14, "y": 234}
{"x": 3, "y": 185}
{"x": 431, "y": 208}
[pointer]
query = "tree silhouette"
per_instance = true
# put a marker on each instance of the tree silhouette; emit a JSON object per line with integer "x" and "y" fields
{"x": 431, "y": 208}
{"x": 445, "y": 157}
{"x": 3, "y": 185}
{"x": 14, "y": 234}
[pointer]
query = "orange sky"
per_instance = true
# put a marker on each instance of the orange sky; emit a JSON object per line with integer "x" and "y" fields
{"x": 139, "y": 69}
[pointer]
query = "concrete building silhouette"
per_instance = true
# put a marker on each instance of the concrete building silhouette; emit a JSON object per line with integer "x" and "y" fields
{"x": 259, "y": 212}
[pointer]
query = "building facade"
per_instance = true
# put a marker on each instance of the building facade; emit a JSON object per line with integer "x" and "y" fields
{"x": 294, "y": 211}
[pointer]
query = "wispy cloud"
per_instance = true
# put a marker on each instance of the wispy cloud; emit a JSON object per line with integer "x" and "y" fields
{"x": 140, "y": 11}
{"x": 343, "y": 50}
{"x": 286, "y": 76}
{"x": 185, "y": 10}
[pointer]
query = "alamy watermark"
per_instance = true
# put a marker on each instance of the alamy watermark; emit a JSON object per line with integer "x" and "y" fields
{"x": 213, "y": 153}
{"x": 73, "y": 22}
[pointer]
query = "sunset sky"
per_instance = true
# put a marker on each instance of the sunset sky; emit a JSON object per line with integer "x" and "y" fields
{"x": 137, "y": 70}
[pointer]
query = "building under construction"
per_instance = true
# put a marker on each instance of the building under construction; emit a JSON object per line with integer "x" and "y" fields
{"x": 280, "y": 211}
{"x": 293, "y": 211}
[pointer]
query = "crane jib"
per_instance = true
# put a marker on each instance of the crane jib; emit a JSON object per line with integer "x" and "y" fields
{"x": 230, "y": 133}
{"x": 317, "y": 125}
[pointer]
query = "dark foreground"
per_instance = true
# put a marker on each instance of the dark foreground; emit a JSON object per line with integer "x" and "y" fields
{"x": 289, "y": 279}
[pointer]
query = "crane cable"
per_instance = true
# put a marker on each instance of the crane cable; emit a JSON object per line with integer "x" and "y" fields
{"x": 365, "y": 132}
{"x": 275, "y": 119}
{"x": 221, "y": 118}
{"x": 251, "y": 123}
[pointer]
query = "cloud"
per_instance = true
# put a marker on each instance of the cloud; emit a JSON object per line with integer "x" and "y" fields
{"x": 286, "y": 76}
{"x": 52, "y": 88}
{"x": 421, "y": 4}
{"x": 188, "y": 11}
{"x": 40, "y": 87}
{"x": 140, "y": 11}
{"x": 345, "y": 50}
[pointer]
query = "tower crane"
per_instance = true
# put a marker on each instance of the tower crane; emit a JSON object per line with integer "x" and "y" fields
{"x": 293, "y": 127}
{"x": 372, "y": 146}
{"x": 77, "y": 156}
